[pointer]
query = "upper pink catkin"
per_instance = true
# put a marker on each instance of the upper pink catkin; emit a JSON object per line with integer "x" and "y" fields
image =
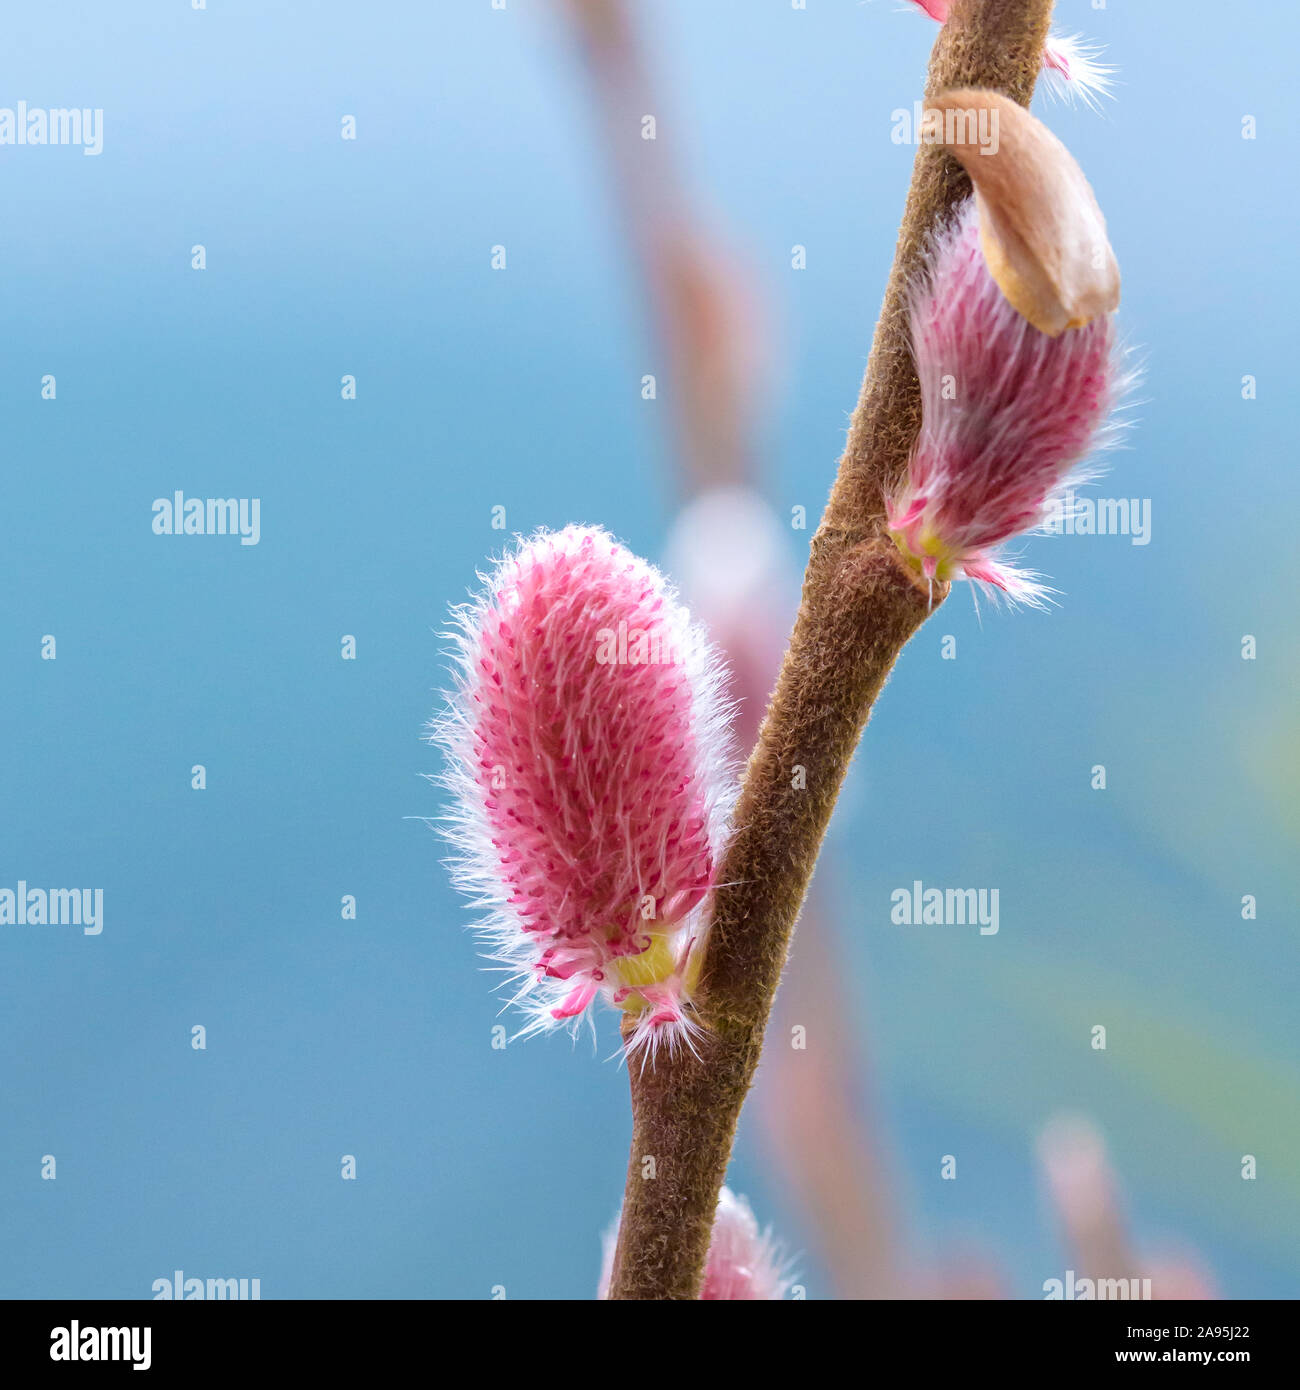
{"x": 744, "y": 1262}
{"x": 588, "y": 757}
{"x": 1007, "y": 413}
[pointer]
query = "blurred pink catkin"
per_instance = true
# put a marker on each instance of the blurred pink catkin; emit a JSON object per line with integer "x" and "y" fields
{"x": 1086, "y": 1194}
{"x": 588, "y": 758}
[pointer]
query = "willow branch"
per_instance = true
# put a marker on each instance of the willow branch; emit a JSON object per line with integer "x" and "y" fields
{"x": 860, "y": 606}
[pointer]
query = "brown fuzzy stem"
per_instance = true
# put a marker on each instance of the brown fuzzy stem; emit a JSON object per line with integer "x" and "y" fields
{"x": 860, "y": 605}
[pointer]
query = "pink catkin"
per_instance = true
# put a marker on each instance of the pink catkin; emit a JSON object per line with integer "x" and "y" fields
{"x": 744, "y": 1263}
{"x": 588, "y": 758}
{"x": 1007, "y": 413}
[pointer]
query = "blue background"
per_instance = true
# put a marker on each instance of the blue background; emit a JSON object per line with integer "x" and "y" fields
{"x": 480, "y": 1167}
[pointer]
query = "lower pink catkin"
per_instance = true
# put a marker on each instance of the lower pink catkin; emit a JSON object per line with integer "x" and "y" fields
{"x": 744, "y": 1263}
{"x": 588, "y": 758}
{"x": 1007, "y": 413}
